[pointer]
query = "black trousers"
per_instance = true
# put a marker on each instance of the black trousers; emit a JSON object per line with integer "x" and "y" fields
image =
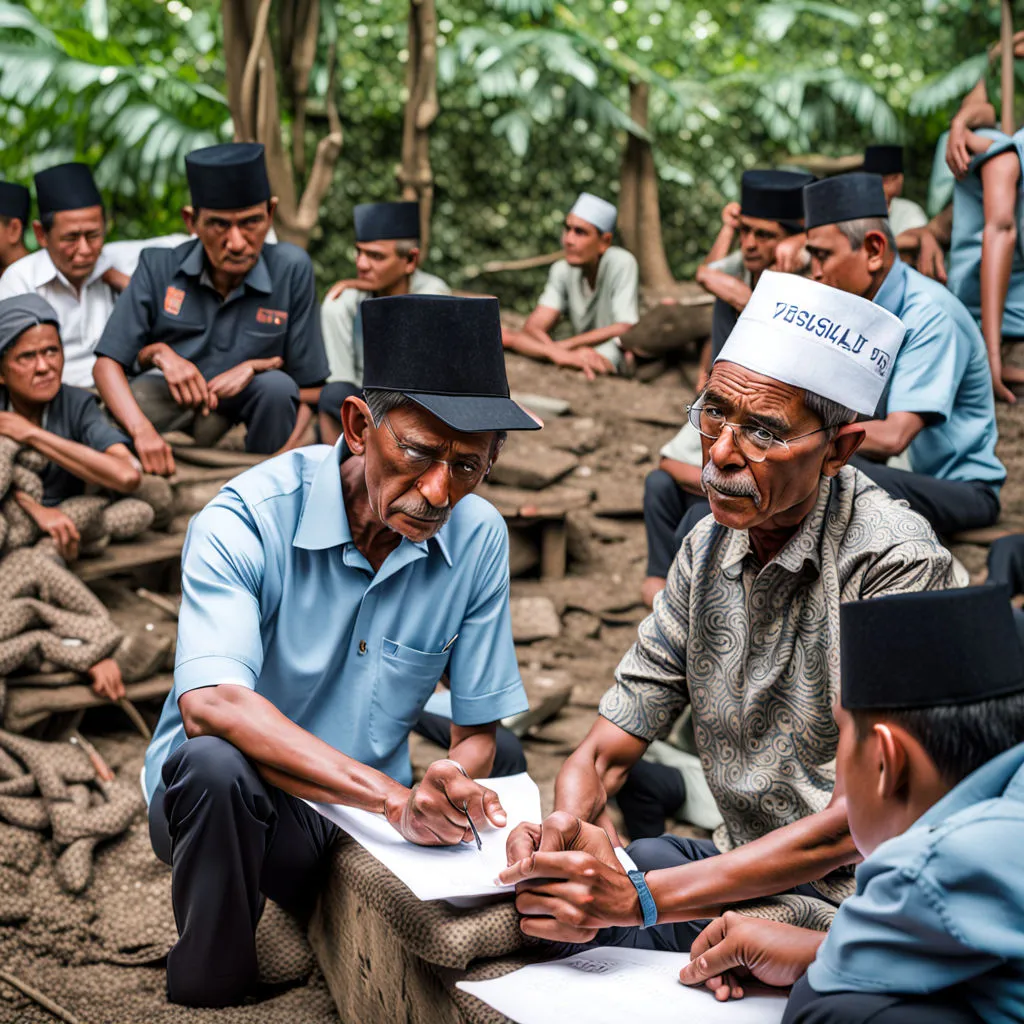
{"x": 1006, "y": 562}
{"x": 230, "y": 840}
{"x": 650, "y": 794}
{"x": 806, "y": 1006}
{"x": 509, "y": 758}
{"x": 949, "y": 505}
{"x": 268, "y": 408}
{"x": 665, "y": 505}
{"x": 654, "y": 855}
{"x": 333, "y": 395}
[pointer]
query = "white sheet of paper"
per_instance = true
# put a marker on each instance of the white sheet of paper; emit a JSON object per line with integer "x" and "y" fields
{"x": 444, "y": 872}
{"x": 610, "y": 985}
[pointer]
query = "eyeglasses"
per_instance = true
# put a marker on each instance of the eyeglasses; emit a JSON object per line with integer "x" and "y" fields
{"x": 754, "y": 442}
{"x": 416, "y": 461}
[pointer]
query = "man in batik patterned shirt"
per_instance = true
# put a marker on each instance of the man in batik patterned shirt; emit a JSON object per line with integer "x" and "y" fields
{"x": 747, "y": 633}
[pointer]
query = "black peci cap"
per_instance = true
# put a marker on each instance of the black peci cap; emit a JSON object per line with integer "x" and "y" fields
{"x": 377, "y": 222}
{"x": 231, "y": 176}
{"x": 445, "y": 354}
{"x": 883, "y": 160}
{"x": 928, "y": 649}
{"x": 66, "y": 187}
{"x": 774, "y": 195}
{"x": 15, "y": 201}
{"x": 844, "y": 197}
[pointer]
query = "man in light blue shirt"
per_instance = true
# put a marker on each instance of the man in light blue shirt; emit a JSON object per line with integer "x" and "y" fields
{"x": 933, "y": 777}
{"x": 939, "y": 410}
{"x": 325, "y": 593}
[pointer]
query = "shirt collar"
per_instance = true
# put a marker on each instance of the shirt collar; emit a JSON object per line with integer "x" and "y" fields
{"x": 193, "y": 264}
{"x": 44, "y": 270}
{"x": 324, "y": 520}
{"x": 803, "y": 547}
{"x": 1002, "y": 776}
{"x": 890, "y": 295}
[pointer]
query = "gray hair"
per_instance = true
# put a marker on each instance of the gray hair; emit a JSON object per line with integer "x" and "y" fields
{"x": 381, "y": 401}
{"x": 855, "y": 231}
{"x": 831, "y": 413}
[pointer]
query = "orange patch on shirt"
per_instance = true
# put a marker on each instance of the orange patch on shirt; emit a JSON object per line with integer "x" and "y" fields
{"x": 173, "y": 298}
{"x": 271, "y": 316}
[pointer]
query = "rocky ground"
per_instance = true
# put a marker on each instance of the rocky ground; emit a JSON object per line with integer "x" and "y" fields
{"x": 571, "y": 632}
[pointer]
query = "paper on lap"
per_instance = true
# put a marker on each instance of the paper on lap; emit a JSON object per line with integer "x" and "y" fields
{"x": 444, "y": 872}
{"x": 610, "y": 985}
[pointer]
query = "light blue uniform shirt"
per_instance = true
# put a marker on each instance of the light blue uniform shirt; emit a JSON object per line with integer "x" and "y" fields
{"x": 942, "y": 374}
{"x": 968, "y": 225}
{"x": 943, "y": 904}
{"x": 277, "y": 597}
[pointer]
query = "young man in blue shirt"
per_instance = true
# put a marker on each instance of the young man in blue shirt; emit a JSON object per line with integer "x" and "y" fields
{"x": 938, "y": 409}
{"x": 932, "y": 768}
{"x": 324, "y": 594}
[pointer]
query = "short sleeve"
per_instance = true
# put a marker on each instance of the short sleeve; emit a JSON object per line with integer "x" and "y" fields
{"x": 128, "y": 329}
{"x": 91, "y": 427}
{"x": 924, "y": 379}
{"x": 337, "y": 321}
{"x": 650, "y": 691}
{"x": 221, "y": 575}
{"x": 13, "y": 281}
{"x": 624, "y": 300}
{"x": 685, "y": 447}
{"x": 556, "y": 291}
{"x": 484, "y": 675}
{"x": 731, "y": 265}
{"x": 304, "y": 360}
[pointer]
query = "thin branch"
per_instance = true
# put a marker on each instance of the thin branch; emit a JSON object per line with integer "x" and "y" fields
{"x": 36, "y": 996}
{"x": 248, "y": 128}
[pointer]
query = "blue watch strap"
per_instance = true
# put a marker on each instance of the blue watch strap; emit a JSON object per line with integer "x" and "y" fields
{"x": 647, "y": 907}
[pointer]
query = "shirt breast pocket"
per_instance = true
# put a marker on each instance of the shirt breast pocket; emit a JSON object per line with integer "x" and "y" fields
{"x": 263, "y": 344}
{"x": 405, "y": 680}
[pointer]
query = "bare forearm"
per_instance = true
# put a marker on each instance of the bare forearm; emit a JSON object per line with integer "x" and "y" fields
{"x": 722, "y": 245}
{"x": 725, "y": 287}
{"x": 595, "y": 337}
{"x": 885, "y": 438}
{"x": 977, "y": 114}
{"x": 304, "y": 764}
{"x": 474, "y": 750}
{"x": 687, "y": 476}
{"x": 528, "y": 344}
{"x": 116, "y": 392}
{"x": 86, "y": 463}
{"x": 790, "y": 856}
{"x": 596, "y": 770}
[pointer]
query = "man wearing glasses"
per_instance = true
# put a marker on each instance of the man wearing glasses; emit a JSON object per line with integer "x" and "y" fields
{"x": 324, "y": 594}
{"x": 747, "y": 633}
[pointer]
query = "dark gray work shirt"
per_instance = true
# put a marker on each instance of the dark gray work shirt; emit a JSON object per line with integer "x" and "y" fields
{"x": 273, "y": 312}
{"x": 74, "y": 414}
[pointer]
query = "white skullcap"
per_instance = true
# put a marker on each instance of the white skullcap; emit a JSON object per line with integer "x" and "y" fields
{"x": 818, "y": 338}
{"x": 595, "y": 210}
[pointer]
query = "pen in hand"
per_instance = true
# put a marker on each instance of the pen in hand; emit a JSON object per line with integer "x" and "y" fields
{"x": 476, "y": 835}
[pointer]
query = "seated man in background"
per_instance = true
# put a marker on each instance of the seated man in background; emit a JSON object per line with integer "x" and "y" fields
{"x": 887, "y": 161}
{"x": 223, "y": 323}
{"x": 746, "y": 633}
{"x": 65, "y": 424}
{"x": 387, "y": 263}
{"x": 939, "y": 408}
{"x": 930, "y": 751}
{"x": 324, "y": 594}
{"x": 15, "y": 203}
{"x": 770, "y": 210}
{"x": 596, "y": 284}
{"x": 68, "y": 270}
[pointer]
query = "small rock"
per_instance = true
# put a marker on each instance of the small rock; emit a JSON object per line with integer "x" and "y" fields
{"x": 534, "y": 618}
{"x": 580, "y": 625}
{"x": 640, "y": 454}
{"x": 542, "y": 405}
{"x": 532, "y": 466}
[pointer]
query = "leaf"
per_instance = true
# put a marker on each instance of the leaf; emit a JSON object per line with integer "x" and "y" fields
{"x": 515, "y": 126}
{"x": 949, "y": 87}
{"x": 775, "y": 19}
{"x": 16, "y": 16}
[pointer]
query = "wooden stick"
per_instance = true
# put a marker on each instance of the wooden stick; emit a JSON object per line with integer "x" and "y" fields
{"x": 165, "y": 604}
{"x": 497, "y": 266}
{"x": 36, "y": 996}
{"x": 1006, "y": 42}
{"x": 136, "y": 719}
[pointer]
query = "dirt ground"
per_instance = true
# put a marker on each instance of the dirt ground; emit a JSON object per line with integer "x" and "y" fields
{"x": 615, "y": 426}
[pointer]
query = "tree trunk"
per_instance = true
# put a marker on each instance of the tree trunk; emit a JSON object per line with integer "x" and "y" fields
{"x": 639, "y": 201}
{"x": 1009, "y": 123}
{"x": 415, "y": 176}
{"x": 252, "y": 86}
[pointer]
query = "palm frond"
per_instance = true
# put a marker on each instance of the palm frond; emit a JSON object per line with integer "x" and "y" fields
{"x": 949, "y": 87}
{"x": 775, "y": 19}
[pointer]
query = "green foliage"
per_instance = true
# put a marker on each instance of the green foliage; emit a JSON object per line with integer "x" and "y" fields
{"x": 534, "y": 105}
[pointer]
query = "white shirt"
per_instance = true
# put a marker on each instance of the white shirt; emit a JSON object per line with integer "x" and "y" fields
{"x": 83, "y": 314}
{"x": 905, "y": 215}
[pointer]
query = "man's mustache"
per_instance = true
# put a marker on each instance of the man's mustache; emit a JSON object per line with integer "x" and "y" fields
{"x": 422, "y": 510}
{"x": 732, "y": 485}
